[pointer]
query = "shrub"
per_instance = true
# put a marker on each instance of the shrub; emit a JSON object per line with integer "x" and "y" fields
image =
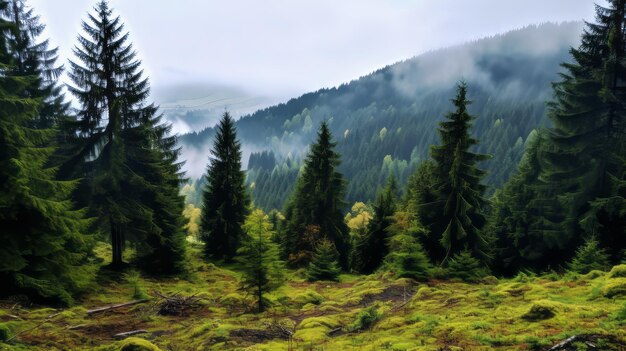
{"x": 365, "y": 319}
{"x": 466, "y": 267}
{"x": 5, "y": 332}
{"x": 133, "y": 280}
{"x": 589, "y": 256}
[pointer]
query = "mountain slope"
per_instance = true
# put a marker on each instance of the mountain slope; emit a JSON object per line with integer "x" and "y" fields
{"x": 385, "y": 122}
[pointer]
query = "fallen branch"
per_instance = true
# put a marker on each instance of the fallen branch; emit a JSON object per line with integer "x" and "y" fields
{"x": 79, "y": 326}
{"x": 130, "y": 333}
{"x": 49, "y": 318}
{"x": 114, "y": 307}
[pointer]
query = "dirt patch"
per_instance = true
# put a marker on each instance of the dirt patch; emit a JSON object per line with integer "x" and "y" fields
{"x": 257, "y": 335}
{"x": 394, "y": 293}
{"x": 106, "y": 330}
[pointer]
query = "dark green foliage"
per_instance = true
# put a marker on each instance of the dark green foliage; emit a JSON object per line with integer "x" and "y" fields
{"x": 262, "y": 269}
{"x": 34, "y": 58}
{"x": 371, "y": 248}
{"x": 45, "y": 240}
{"x": 587, "y": 144}
{"x": 459, "y": 202}
{"x": 318, "y": 200}
{"x": 590, "y": 256}
{"x": 466, "y": 267}
{"x": 5, "y": 332}
{"x": 125, "y": 155}
{"x": 324, "y": 262}
{"x": 225, "y": 200}
{"x": 406, "y": 257}
{"x": 365, "y": 319}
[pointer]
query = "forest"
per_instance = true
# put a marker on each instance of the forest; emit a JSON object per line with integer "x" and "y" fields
{"x": 462, "y": 214}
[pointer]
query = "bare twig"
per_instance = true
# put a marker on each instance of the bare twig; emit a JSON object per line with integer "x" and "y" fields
{"x": 114, "y": 307}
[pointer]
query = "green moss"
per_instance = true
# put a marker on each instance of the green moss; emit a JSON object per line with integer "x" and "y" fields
{"x": 618, "y": 271}
{"x": 614, "y": 287}
{"x": 540, "y": 310}
{"x": 137, "y": 344}
{"x": 308, "y": 296}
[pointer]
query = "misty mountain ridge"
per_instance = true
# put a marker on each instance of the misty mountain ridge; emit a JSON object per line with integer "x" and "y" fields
{"x": 385, "y": 122}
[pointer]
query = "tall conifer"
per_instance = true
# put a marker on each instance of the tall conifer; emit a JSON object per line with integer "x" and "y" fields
{"x": 226, "y": 200}
{"x": 460, "y": 200}
{"x": 318, "y": 200}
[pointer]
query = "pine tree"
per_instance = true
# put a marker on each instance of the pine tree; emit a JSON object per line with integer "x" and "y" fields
{"x": 263, "y": 271}
{"x": 318, "y": 200}
{"x": 372, "y": 248}
{"x": 460, "y": 200}
{"x": 590, "y": 256}
{"x": 406, "y": 257}
{"x": 34, "y": 58}
{"x": 226, "y": 200}
{"x": 324, "y": 263}
{"x": 587, "y": 144}
{"x": 120, "y": 148}
{"x": 45, "y": 240}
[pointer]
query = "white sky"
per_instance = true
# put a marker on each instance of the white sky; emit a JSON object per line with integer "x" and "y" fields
{"x": 282, "y": 48}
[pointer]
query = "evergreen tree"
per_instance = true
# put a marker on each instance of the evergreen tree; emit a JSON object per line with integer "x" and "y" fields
{"x": 324, "y": 263}
{"x": 45, "y": 241}
{"x": 406, "y": 257}
{"x": 372, "y": 248}
{"x": 226, "y": 201}
{"x": 120, "y": 148}
{"x": 460, "y": 202}
{"x": 590, "y": 256}
{"x": 587, "y": 144}
{"x": 263, "y": 271}
{"x": 318, "y": 200}
{"x": 34, "y": 58}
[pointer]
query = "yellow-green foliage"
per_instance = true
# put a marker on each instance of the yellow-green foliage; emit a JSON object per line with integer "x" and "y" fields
{"x": 618, "y": 271}
{"x": 525, "y": 313}
{"x": 137, "y": 344}
{"x": 615, "y": 287}
{"x": 5, "y": 332}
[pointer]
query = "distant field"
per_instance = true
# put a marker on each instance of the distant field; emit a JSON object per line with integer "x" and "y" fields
{"x": 357, "y": 313}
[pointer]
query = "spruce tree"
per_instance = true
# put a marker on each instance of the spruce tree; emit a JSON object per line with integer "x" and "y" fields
{"x": 226, "y": 200}
{"x": 120, "y": 148}
{"x": 34, "y": 58}
{"x": 585, "y": 156}
{"x": 263, "y": 271}
{"x": 406, "y": 257}
{"x": 45, "y": 240}
{"x": 318, "y": 200}
{"x": 371, "y": 249}
{"x": 460, "y": 200}
{"x": 324, "y": 263}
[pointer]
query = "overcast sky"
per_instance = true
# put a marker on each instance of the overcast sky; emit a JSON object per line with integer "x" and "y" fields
{"x": 282, "y": 48}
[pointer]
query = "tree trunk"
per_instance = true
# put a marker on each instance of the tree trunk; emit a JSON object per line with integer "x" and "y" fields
{"x": 116, "y": 245}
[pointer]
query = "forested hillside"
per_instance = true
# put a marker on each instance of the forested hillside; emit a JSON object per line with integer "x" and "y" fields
{"x": 386, "y": 121}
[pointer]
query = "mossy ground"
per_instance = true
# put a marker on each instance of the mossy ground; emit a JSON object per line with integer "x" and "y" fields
{"x": 525, "y": 313}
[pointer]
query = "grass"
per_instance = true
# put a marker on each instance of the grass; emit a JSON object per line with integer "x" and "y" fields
{"x": 376, "y": 312}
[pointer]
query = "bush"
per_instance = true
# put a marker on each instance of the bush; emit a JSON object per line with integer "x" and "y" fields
{"x": 133, "y": 280}
{"x": 589, "y": 257}
{"x": 324, "y": 263}
{"x": 365, "y": 319}
{"x": 5, "y": 332}
{"x": 466, "y": 267}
